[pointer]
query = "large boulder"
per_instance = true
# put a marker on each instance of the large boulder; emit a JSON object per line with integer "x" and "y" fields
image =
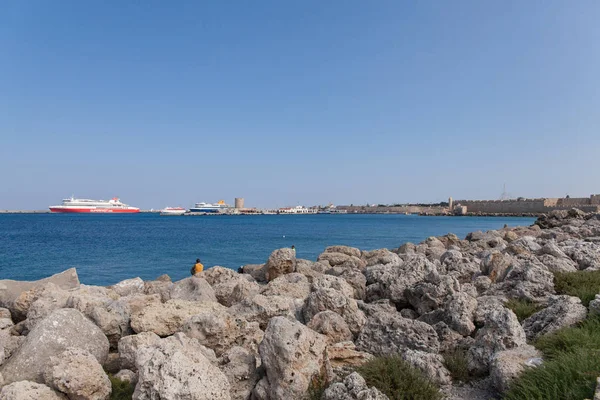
{"x": 356, "y": 279}
{"x": 161, "y": 286}
{"x": 218, "y": 274}
{"x": 231, "y": 292}
{"x": 350, "y": 251}
{"x": 27, "y": 390}
{"x": 525, "y": 244}
{"x": 562, "y": 311}
{"x": 381, "y": 257}
{"x": 229, "y": 285}
{"x": 8, "y": 345}
{"x": 129, "y": 287}
{"x": 343, "y": 260}
{"x": 262, "y": 308}
{"x": 431, "y": 364}
{"x": 311, "y": 269}
{"x": 557, "y": 265}
{"x": 333, "y": 300}
{"x": 431, "y": 293}
{"x": 460, "y": 312}
{"x": 585, "y": 255}
{"x": 78, "y": 374}
{"x": 129, "y": 345}
{"x": 353, "y": 387}
{"x": 463, "y": 268}
{"x": 281, "y": 262}
{"x": 290, "y": 285}
{"x": 242, "y": 290}
{"x": 176, "y": 368}
{"x": 508, "y": 364}
{"x": 256, "y": 271}
{"x": 292, "y": 355}
{"x": 528, "y": 281}
{"x": 193, "y": 288}
{"x": 220, "y": 330}
{"x": 240, "y": 367}
{"x": 457, "y": 313}
{"x": 501, "y": 331}
{"x": 393, "y": 280}
{"x": 344, "y": 355}
{"x": 44, "y": 299}
{"x": 114, "y": 317}
{"x": 10, "y": 290}
{"x": 165, "y": 319}
{"x": 63, "y": 329}
{"x": 332, "y": 325}
{"x": 389, "y": 333}
{"x": 495, "y": 265}
{"x": 333, "y": 282}
{"x": 85, "y": 298}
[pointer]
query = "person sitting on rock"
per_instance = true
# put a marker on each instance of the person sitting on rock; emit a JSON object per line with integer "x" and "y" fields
{"x": 197, "y": 268}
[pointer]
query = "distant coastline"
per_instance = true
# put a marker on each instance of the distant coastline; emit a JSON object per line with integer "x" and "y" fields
{"x": 519, "y": 207}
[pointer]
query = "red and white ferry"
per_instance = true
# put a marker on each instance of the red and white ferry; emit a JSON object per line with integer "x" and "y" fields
{"x": 73, "y": 205}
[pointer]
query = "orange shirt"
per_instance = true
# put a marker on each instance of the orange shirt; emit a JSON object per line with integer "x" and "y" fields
{"x": 198, "y": 268}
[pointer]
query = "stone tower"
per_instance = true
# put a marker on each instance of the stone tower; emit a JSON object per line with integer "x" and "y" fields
{"x": 450, "y": 203}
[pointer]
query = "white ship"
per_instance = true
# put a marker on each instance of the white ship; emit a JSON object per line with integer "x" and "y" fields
{"x": 210, "y": 208}
{"x": 172, "y": 211}
{"x": 74, "y": 205}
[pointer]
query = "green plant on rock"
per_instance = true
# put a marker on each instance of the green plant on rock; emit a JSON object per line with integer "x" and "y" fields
{"x": 121, "y": 390}
{"x": 583, "y": 284}
{"x": 585, "y": 335}
{"x": 456, "y": 362}
{"x": 523, "y": 308}
{"x": 568, "y": 376}
{"x": 398, "y": 379}
{"x": 572, "y": 363}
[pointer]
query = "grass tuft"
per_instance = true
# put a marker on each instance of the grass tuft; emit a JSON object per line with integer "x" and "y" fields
{"x": 398, "y": 379}
{"x": 571, "y": 365}
{"x": 456, "y": 362}
{"x": 121, "y": 390}
{"x": 523, "y": 308}
{"x": 569, "y": 376}
{"x": 585, "y": 335}
{"x": 583, "y": 284}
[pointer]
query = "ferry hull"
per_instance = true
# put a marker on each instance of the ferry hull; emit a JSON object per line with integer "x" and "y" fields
{"x": 93, "y": 210}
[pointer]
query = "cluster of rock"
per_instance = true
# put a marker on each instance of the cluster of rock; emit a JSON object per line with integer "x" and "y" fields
{"x": 274, "y": 330}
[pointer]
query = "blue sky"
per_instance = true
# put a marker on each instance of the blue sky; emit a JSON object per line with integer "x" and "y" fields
{"x": 307, "y": 102}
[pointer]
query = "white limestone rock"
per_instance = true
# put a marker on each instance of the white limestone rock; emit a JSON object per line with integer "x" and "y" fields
{"x": 292, "y": 355}
{"x": 129, "y": 345}
{"x": 63, "y": 329}
{"x": 27, "y": 390}
{"x": 562, "y": 311}
{"x": 77, "y": 373}
{"x": 176, "y": 368}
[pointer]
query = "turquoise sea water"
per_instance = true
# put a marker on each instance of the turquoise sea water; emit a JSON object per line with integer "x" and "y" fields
{"x": 108, "y": 248}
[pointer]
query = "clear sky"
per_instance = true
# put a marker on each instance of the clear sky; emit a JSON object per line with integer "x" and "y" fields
{"x": 297, "y": 102}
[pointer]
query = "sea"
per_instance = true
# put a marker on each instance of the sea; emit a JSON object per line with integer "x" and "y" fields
{"x": 106, "y": 249}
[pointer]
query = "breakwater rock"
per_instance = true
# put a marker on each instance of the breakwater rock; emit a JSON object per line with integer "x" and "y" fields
{"x": 273, "y": 330}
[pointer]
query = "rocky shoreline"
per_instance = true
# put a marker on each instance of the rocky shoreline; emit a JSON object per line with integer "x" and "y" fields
{"x": 279, "y": 327}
